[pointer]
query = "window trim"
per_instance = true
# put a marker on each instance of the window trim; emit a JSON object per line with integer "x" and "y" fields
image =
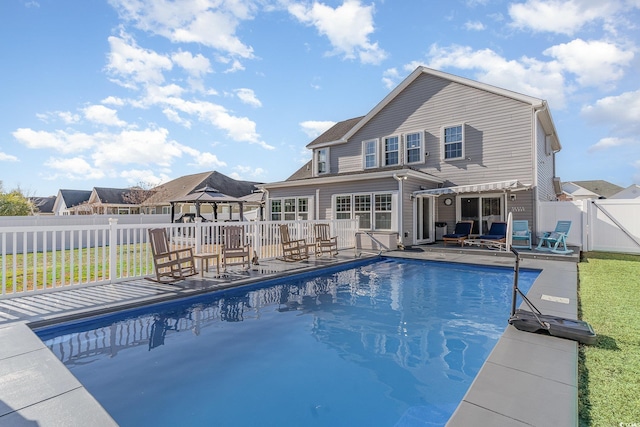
{"x": 421, "y": 148}
{"x": 383, "y": 159}
{"x": 372, "y": 212}
{"x": 296, "y": 208}
{"x": 316, "y": 163}
{"x": 376, "y": 146}
{"x": 443, "y": 143}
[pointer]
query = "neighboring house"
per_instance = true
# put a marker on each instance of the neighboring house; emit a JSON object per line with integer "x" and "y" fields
{"x": 631, "y": 192}
{"x": 114, "y": 201}
{"x": 160, "y": 201}
{"x": 582, "y": 190}
{"x": 68, "y": 199}
{"x": 438, "y": 148}
{"x": 43, "y": 205}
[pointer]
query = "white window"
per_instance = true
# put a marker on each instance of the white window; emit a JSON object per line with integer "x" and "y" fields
{"x": 413, "y": 147}
{"x": 382, "y": 214}
{"x": 453, "y": 142}
{"x": 322, "y": 161}
{"x": 362, "y": 209}
{"x": 290, "y": 209}
{"x": 343, "y": 207}
{"x": 370, "y": 154}
{"x": 391, "y": 151}
{"x": 276, "y": 210}
{"x": 374, "y": 210}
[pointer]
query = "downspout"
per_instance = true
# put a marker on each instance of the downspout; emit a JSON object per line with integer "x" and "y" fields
{"x": 536, "y": 193}
{"x": 400, "y": 180}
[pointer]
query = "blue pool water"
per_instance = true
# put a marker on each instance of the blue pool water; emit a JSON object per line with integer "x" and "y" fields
{"x": 390, "y": 343}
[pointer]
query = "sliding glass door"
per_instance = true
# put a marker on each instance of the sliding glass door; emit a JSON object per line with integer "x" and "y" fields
{"x": 483, "y": 210}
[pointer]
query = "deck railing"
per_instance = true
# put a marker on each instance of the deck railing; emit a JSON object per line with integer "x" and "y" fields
{"x": 44, "y": 258}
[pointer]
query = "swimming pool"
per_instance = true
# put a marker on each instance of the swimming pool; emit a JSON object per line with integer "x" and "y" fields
{"x": 395, "y": 342}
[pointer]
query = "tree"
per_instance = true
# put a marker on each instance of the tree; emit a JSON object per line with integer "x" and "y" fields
{"x": 15, "y": 204}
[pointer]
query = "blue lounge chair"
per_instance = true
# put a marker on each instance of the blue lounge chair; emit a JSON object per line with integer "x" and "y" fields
{"x": 497, "y": 232}
{"x": 461, "y": 232}
{"x": 521, "y": 235}
{"x": 556, "y": 241}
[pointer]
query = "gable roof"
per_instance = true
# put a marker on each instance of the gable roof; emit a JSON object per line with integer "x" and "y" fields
{"x": 181, "y": 187}
{"x": 112, "y": 196}
{"x": 73, "y": 198}
{"x": 331, "y": 136}
{"x": 44, "y": 204}
{"x": 631, "y": 192}
{"x": 599, "y": 187}
{"x": 335, "y": 132}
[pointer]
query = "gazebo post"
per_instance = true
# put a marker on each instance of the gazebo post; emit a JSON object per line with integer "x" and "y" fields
{"x": 173, "y": 205}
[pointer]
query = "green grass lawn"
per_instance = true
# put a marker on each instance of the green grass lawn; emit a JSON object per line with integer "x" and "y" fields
{"x": 609, "y": 371}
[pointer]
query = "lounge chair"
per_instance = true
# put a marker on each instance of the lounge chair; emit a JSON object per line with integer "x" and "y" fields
{"x": 556, "y": 241}
{"x": 325, "y": 243}
{"x": 460, "y": 234}
{"x": 496, "y": 237}
{"x": 292, "y": 249}
{"x": 521, "y": 234}
{"x": 234, "y": 249}
{"x": 497, "y": 232}
{"x": 174, "y": 264}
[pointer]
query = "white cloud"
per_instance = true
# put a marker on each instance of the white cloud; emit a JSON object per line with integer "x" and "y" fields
{"x": 133, "y": 65}
{"x": 207, "y": 161}
{"x": 60, "y": 141}
{"x": 196, "y": 66}
{"x": 474, "y": 26}
{"x": 596, "y": 63}
{"x": 248, "y": 97}
{"x": 73, "y": 168}
{"x": 620, "y": 114}
{"x": 391, "y": 77}
{"x": 623, "y": 110}
{"x": 145, "y": 147}
{"x": 248, "y": 171}
{"x": 144, "y": 177}
{"x": 347, "y": 27}
{"x": 314, "y": 128}
{"x": 173, "y": 116}
{"x": 113, "y": 100}
{"x": 544, "y": 80}
{"x": 561, "y": 16}
{"x": 610, "y": 142}
{"x": 211, "y": 23}
{"x": 4, "y": 157}
{"x": 102, "y": 115}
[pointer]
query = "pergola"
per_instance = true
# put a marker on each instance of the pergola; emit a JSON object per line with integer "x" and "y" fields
{"x": 207, "y": 195}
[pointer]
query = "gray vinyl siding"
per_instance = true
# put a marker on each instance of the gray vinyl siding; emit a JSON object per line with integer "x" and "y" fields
{"x": 327, "y": 191}
{"x": 546, "y": 171}
{"x": 498, "y": 132}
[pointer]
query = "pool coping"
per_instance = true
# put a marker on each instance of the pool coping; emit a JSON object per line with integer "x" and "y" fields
{"x": 528, "y": 379}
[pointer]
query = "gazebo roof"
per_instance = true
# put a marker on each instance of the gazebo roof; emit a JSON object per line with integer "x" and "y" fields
{"x": 207, "y": 195}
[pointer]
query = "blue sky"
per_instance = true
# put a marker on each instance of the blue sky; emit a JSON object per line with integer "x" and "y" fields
{"x": 115, "y": 93}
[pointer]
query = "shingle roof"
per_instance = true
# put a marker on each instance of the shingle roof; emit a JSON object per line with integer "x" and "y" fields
{"x": 74, "y": 197}
{"x": 600, "y": 187}
{"x": 180, "y": 187}
{"x": 335, "y": 132}
{"x": 114, "y": 196}
{"x": 44, "y": 204}
{"x": 302, "y": 173}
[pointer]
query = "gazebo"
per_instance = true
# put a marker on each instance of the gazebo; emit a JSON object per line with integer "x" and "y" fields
{"x": 206, "y": 195}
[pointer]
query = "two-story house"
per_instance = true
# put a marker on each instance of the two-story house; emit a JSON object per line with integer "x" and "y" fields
{"x": 438, "y": 148}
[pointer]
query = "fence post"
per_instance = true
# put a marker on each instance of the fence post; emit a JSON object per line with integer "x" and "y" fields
{"x": 198, "y": 235}
{"x": 113, "y": 249}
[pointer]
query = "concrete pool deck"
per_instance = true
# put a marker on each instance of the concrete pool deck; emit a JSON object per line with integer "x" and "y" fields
{"x": 528, "y": 379}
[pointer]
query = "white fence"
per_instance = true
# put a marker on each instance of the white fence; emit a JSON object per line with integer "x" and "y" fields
{"x": 42, "y": 258}
{"x": 609, "y": 225}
